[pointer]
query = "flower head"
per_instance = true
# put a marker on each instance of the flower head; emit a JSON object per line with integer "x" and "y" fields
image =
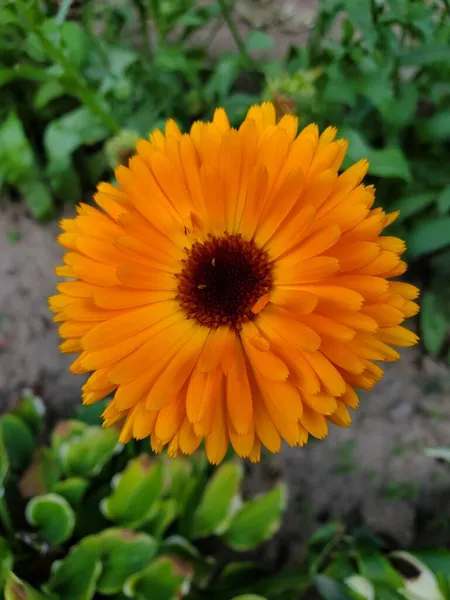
{"x": 234, "y": 287}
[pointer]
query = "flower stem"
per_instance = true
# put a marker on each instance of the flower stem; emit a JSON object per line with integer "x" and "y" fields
{"x": 225, "y": 9}
{"x": 5, "y": 517}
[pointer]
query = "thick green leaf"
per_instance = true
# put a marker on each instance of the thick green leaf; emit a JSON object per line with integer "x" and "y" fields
{"x": 329, "y": 589}
{"x": 375, "y": 567}
{"x": 72, "y": 489}
{"x": 257, "y": 520}
{"x": 443, "y": 201}
{"x": 75, "y": 577}
{"x": 360, "y": 14}
{"x": 412, "y": 205}
{"x": 433, "y": 322}
{"x": 219, "y": 502}
{"x": 429, "y": 236}
{"x": 16, "y": 589}
{"x": 387, "y": 162}
{"x": 164, "y": 516}
{"x": 18, "y": 441}
{"x": 41, "y": 475}
{"x": 123, "y": 553}
{"x": 63, "y": 432}
{"x": 6, "y": 561}
{"x": 31, "y": 410}
{"x": 361, "y": 586}
{"x": 162, "y": 580}
{"x": 259, "y": 40}
{"x": 135, "y": 492}
{"x": 442, "y": 453}
{"x": 53, "y": 516}
{"x": 87, "y": 454}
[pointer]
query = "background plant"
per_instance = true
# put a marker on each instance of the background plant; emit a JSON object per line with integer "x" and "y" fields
{"x": 84, "y": 517}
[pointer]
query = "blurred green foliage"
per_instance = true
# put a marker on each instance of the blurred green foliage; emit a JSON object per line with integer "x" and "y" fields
{"x": 80, "y": 81}
{"x": 87, "y": 518}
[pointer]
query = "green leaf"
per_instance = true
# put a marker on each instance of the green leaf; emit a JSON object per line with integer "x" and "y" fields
{"x": 41, "y": 475}
{"x": 53, "y": 516}
{"x": 329, "y": 589}
{"x": 259, "y": 40}
{"x": 37, "y": 199}
{"x": 433, "y": 322}
{"x": 165, "y": 514}
{"x": 441, "y": 453}
{"x": 65, "y": 431}
{"x": 443, "y": 201}
{"x": 437, "y": 559}
{"x": 425, "y": 54}
{"x": 162, "y": 580}
{"x": 72, "y": 489}
{"x": 123, "y": 553}
{"x": 87, "y": 454}
{"x": 74, "y": 42}
{"x": 324, "y": 534}
{"x": 48, "y": 91}
{"x": 219, "y": 502}
{"x": 75, "y": 577}
{"x": 31, "y": 410}
{"x": 16, "y": 154}
{"x": 361, "y": 586}
{"x": 387, "y": 592}
{"x": 429, "y": 236}
{"x": 18, "y": 441}
{"x": 257, "y": 520}
{"x": 79, "y": 127}
{"x": 16, "y": 589}
{"x": 6, "y": 561}
{"x": 435, "y": 128}
{"x": 360, "y": 15}
{"x": 375, "y": 567}
{"x": 135, "y": 492}
{"x": 249, "y": 597}
{"x": 4, "y": 462}
{"x": 388, "y": 162}
{"x": 412, "y": 205}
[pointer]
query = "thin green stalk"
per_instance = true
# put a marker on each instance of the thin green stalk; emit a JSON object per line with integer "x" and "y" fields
{"x": 145, "y": 30}
{"x": 87, "y": 96}
{"x": 236, "y": 35}
{"x": 62, "y": 11}
{"x": 5, "y": 517}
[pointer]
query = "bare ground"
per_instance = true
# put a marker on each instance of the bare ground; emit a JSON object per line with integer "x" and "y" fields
{"x": 374, "y": 472}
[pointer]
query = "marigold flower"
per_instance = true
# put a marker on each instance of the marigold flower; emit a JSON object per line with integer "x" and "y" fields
{"x": 233, "y": 288}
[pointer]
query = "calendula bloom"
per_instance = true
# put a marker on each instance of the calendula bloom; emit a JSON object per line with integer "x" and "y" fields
{"x": 233, "y": 288}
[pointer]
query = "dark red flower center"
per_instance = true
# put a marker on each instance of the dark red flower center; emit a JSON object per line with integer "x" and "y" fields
{"x": 222, "y": 279}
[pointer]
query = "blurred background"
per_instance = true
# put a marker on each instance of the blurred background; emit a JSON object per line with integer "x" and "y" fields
{"x": 82, "y": 80}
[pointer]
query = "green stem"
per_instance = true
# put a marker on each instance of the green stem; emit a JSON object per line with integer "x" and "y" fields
{"x": 87, "y": 96}
{"x": 236, "y": 35}
{"x": 145, "y": 31}
{"x": 329, "y": 547}
{"x": 62, "y": 11}
{"x": 5, "y": 517}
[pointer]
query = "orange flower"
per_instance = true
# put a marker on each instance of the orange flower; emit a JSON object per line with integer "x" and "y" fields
{"x": 233, "y": 288}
